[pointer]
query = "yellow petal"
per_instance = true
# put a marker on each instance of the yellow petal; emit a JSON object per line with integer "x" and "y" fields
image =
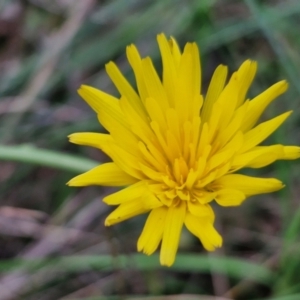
{"x": 226, "y": 153}
{"x": 112, "y": 118}
{"x": 106, "y": 174}
{"x": 246, "y": 184}
{"x": 188, "y": 82}
{"x": 208, "y": 178}
{"x": 153, "y": 231}
{"x": 126, "y": 161}
{"x": 202, "y": 161}
{"x": 228, "y": 100}
{"x": 156, "y": 161}
{"x": 258, "y": 134}
{"x": 203, "y": 197}
{"x": 201, "y": 210}
{"x": 95, "y": 98}
{"x": 203, "y": 229}
{"x": 264, "y": 159}
{"x": 134, "y": 191}
{"x": 121, "y": 135}
{"x": 169, "y": 67}
{"x": 124, "y": 87}
{"x": 258, "y": 157}
{"x": 191, "y": 178}
{"x": 156, "y": 113}
{"x": 138, "y": 125}
{"x": 196, "y": 107}
{"x": 258, "y": 104}
{"x": 171, "y": 235}
{"x": 203, "y": 142}
{"x": 153, "y": 84}
{"x": 291, "y": 152}
{"x": 245, "y": 76}
{"x": 101, "y": 101}
{"x": 174, "y": 149}
{"x": 160, "y": 137}
{"x": 150, "y": 173}
{"x": 215, "y": 88}
{"x": 173, "y": 123}
{"x": 196, "y": 69}
{"x": 175, "y": 50}
{"x": 150, "y": 201}
{"x": 230, "y": 197}
{"x": 234, "y": 125}
{"x": 136, "y": 64}
{"x": 97, "y": 140}
{"x": 222, "y": 170}
{"x": 125, "y": 211}
{"x": 214, "y": 122}
{"x": 189, "y": 153}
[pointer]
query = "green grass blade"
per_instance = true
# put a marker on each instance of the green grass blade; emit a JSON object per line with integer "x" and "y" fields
{"x": 232, "y": 267}
{"x": 53, "y": 159}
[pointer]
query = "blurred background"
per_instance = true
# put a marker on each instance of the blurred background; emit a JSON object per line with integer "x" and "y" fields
{"x": 53, "y": 243}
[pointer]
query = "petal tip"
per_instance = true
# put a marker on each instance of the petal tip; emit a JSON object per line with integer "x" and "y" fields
{"x": 71, "y": 137}
{"x": 108, "y": 222}
{"x": 167, "y": 262}
{"x": 70, "y": 183}
{"x": 73, "y": 182}
{"x": 82, "y": 88}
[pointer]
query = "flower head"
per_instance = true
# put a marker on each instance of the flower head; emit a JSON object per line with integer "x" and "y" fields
{"x": 177, "y": 150}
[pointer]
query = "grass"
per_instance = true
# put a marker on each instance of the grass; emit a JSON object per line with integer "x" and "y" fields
{"x": 53, "y": 241}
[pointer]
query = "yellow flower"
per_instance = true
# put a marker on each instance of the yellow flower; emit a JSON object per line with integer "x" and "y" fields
{"x": 178, "y": 150}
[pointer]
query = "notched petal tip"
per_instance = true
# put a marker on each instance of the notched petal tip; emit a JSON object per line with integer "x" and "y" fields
{"x": 72, "y": 138}
{"x": 82, "y": 138}
{"x": 211, "y": 247}
{"x": 166, "y": 264}
{"x": 109, "y": 64}
{"x": 83, "y": 87}
{"x": 113, "y": 218}
{"x": 108, "y": 222}
{"x": 167, "y": 259}
{"x": 211, "y": 239}
{"x": 249, "y": 63}
{"x": 161, "y": 35}
{"x": 144, "y": 250}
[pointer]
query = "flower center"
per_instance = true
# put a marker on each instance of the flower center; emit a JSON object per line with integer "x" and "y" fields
{"x": 178, "y": 183}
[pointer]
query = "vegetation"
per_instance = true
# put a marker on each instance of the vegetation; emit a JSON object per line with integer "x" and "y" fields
{"x": 54, "y": 244}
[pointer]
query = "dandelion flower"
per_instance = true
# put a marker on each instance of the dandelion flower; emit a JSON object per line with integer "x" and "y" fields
{"x": 177, "y": 150}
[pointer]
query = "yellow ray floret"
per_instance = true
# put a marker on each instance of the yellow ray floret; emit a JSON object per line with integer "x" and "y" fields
{"x": 177, "y": 149}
